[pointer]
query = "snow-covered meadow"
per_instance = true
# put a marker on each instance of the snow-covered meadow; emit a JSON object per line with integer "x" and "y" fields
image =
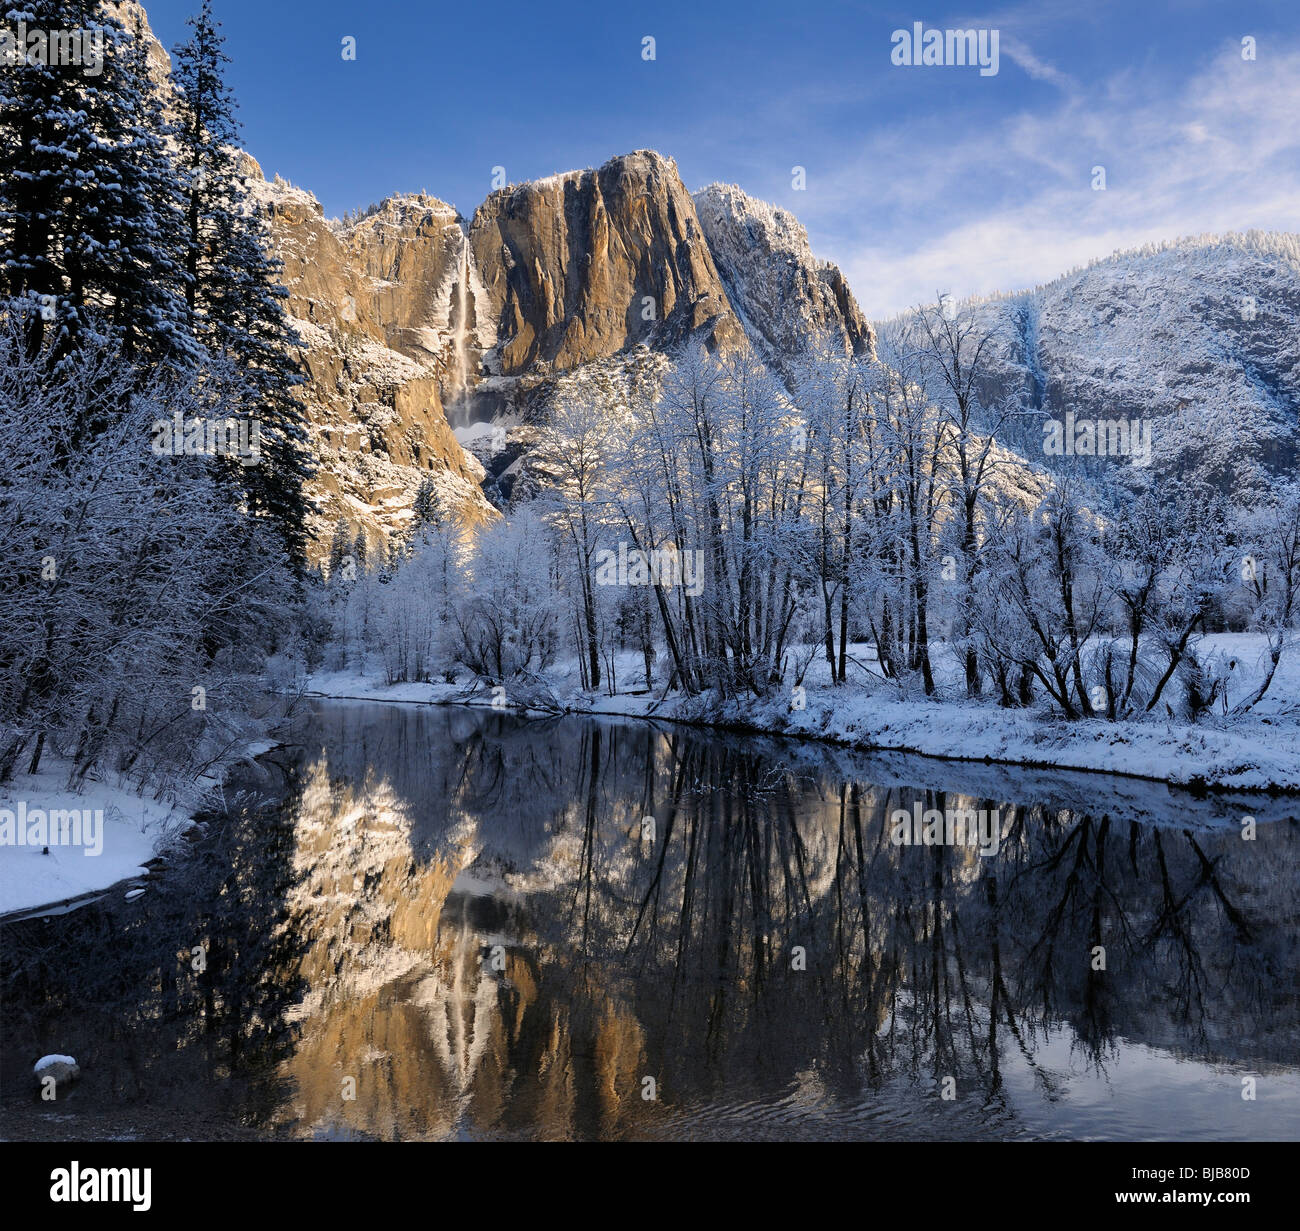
{"x": 47, "y": 873}
{"x": 40, "y": 872}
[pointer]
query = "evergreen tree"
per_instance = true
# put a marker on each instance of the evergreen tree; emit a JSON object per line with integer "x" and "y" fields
{"x": 340, "y": 548}
{"x": 234, "y": 299}
{"x": 87, "y": 195}
{"x": 427, "y": 508}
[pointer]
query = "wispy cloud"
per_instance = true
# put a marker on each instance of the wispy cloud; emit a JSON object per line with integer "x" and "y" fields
{"x": 1005, "y": 204}
{"x": 1039, "y": 69}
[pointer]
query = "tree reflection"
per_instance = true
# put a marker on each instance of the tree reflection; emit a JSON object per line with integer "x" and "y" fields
{"x": 175, "y": 1006}
{"x": 676, "y": 958}
{"x": 462, "y": 914}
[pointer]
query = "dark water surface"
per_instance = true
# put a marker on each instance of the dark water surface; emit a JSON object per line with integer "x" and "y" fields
{"x": 445, "y": 923}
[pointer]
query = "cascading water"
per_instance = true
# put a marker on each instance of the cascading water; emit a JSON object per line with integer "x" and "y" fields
{"x": 467, "y": 333}
{"x": 459, "y": 322}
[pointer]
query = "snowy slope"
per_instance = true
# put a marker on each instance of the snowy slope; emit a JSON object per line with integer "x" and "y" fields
{"x": 1200, "y": 336}
{"x": 783, "y": 295}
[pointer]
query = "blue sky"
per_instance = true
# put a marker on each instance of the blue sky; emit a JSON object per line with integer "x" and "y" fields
{"x": 917, "y": 179}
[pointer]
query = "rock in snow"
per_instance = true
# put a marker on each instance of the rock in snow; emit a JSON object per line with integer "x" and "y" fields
{"x": 63, "y": 1069}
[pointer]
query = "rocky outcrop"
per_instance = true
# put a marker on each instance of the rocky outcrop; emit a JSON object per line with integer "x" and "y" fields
{"x": 410, "y": 315}
{"x": 785, "y": 297}
{"x": 375, "y": 349}
{"x": 579, "y": 266}
{"x": 426, "y": 288}
{"x": 373, "y": 388}
{"x": 1194, "y": 340}
{"x": 582, "y": 268}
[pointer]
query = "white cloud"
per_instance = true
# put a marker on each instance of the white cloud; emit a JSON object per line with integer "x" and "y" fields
{"x": 1039, "y": 69}
{"x": 1007, "y": 204}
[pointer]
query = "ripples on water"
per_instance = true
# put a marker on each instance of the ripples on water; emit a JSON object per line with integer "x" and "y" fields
{"x": 433, "y": 923}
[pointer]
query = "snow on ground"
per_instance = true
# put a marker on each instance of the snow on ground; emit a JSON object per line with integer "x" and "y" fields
{"x": 131, "y": 829}
{"x": 108, "y": 852}
{"x": 1258, "y": 752}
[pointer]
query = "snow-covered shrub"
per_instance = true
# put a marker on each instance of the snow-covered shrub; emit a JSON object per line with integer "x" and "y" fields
{"x": 506, "y": 609}
{"x": 137, "y": 600}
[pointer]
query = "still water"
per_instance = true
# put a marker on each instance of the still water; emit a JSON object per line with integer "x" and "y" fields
{"x": 445, "y": 923}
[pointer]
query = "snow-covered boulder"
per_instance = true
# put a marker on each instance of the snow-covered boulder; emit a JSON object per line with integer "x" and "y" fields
{"x": 63, "y": 1069}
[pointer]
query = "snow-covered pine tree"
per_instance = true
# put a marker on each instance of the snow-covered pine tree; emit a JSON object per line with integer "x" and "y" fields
{"x": 86, "y": 182}
{"x": 340, "y": 549}
{"x": 427, "y": 509}
{"x": 235, "y": 301}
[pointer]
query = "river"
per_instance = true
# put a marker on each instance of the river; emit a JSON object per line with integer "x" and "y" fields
{"x": 436, "y": 923}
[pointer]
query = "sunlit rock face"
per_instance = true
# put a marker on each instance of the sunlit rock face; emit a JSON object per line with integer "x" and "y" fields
{"x": 374, "y": 383}
{"x": 580, "y": 265}
{"x": 787, "y": 299}
{"x": 413, "y": 319}
{"x": 427, "y": 292}
{"x": 134, "y": 18}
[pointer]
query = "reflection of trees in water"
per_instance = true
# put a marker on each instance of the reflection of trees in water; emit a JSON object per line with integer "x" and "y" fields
{"x": 932, "y": 960}
{"x": 113, "y": 985}
{"x": 921, "y": 961}
{"x": 352, "y": 933}
{"x": 626, "y": 958}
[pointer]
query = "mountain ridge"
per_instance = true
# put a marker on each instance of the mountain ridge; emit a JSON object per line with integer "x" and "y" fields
{"x": 414, "y": 318}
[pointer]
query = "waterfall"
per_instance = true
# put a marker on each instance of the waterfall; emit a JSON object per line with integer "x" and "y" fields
{"x": 460, "y": 330}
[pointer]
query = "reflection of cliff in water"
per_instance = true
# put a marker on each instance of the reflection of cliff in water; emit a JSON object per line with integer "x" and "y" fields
{"x": 176, "y": 1006}
{"x": 493, "y": 946}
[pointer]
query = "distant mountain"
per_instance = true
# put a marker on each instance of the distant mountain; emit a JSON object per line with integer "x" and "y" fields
{"x": 423, "y": 331}
{"x": 1201, "y": 337}
{"x": 413, "y": 317}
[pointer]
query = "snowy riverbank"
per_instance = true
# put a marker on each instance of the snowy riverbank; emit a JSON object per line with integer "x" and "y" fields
{"x": 1260, "y": 752}
{"x": 60, "y": 846}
